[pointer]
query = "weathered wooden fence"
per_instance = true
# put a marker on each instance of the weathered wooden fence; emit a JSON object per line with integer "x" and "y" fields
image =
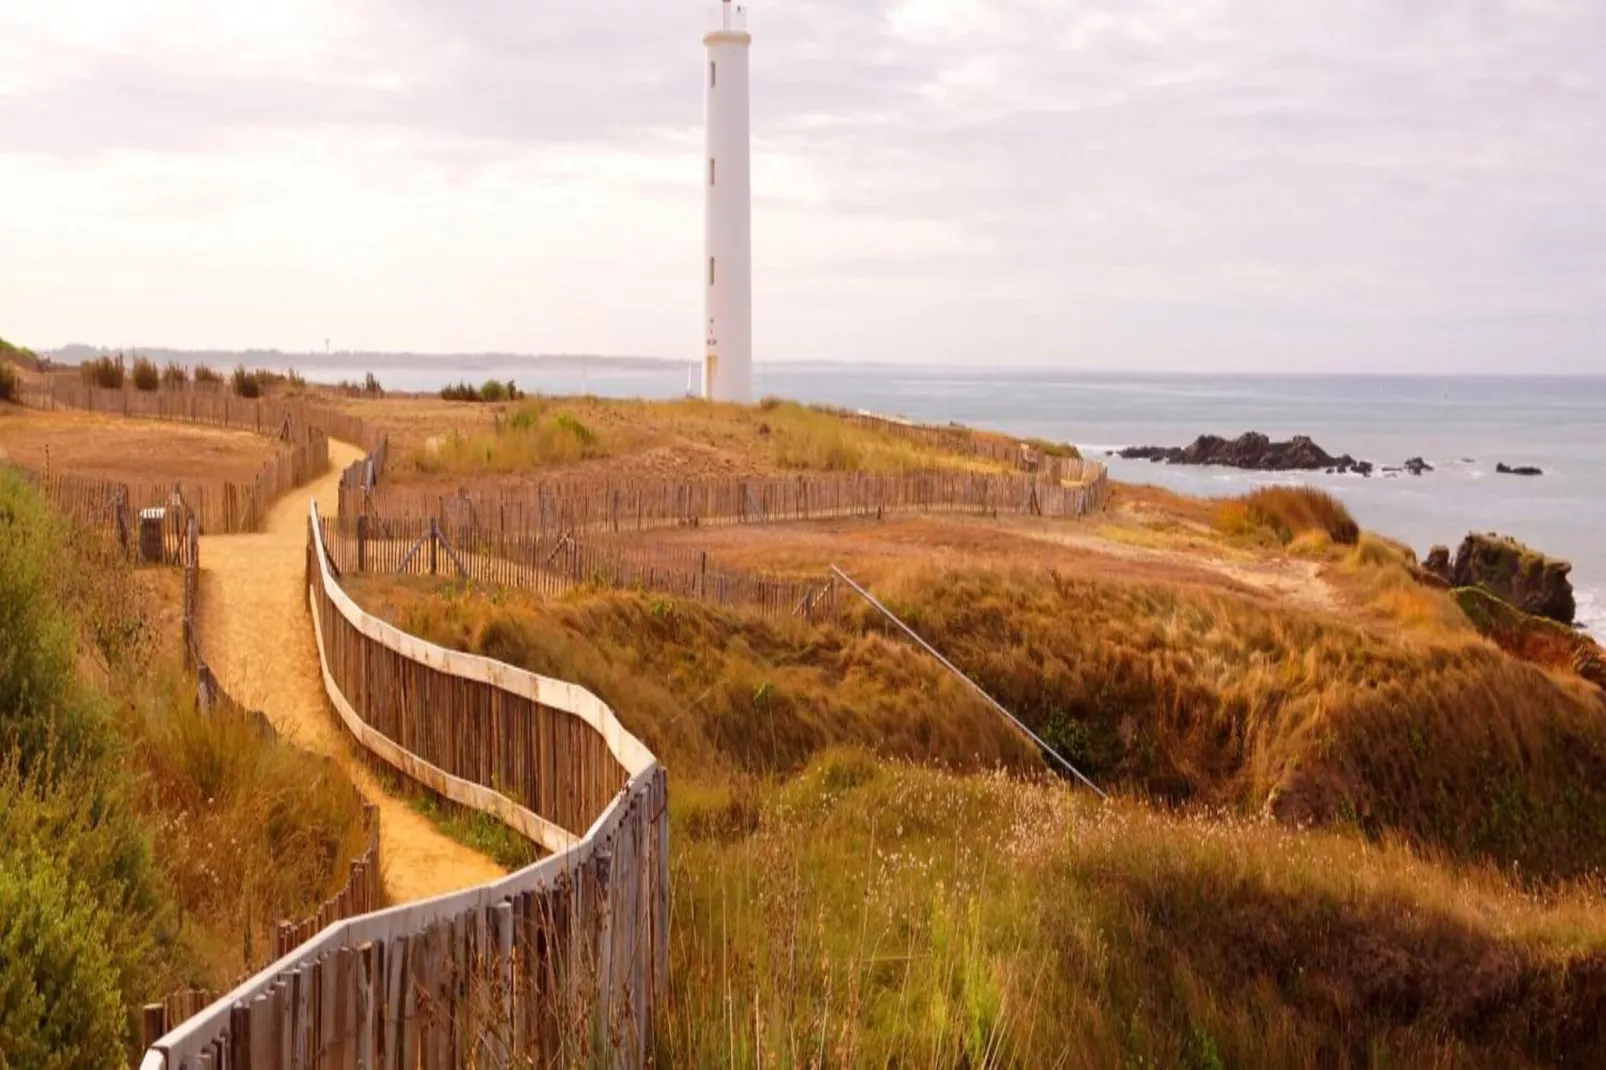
{"x": 288, "y": 418}
{"x": 221, "y": 506}
{"x": 561, "y": 963}
{"x": 638, "y": 505}
{"x": 554, "y": 563}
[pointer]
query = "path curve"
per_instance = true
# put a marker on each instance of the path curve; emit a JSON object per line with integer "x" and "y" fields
{"x": 256, "y": 635}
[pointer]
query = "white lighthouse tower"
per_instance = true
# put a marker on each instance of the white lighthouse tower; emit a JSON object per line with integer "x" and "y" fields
{"x": 728, "y": 217}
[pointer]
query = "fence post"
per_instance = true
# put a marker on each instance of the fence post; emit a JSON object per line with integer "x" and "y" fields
{"x": 434, "y": 536}
{"x": 702, "y": 577}
{"x": 362, "y": 543}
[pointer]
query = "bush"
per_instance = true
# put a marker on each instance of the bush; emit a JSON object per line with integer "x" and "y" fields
{"x": 247, "y": 384}
{"x": 174, "y": 376}
{"x": 21, "y": 356}
{"x": 104, "y": 372}
{"x": 371, "y": 387}
{"x": 10, "y": 384}
{"x": 206, "y": 375}
{"x": 36, "y": 640}
{"x": 1287, "y": 513}
{"x": 59, "y": 1003}
{"x": 146, "y": 375}
{"x": 459, "y": 392}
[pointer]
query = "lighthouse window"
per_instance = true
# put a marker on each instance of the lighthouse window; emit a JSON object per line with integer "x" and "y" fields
{"x": 710, "y": 271}
{"x": 710, "y": 170}
{"x": 713, "y": 74}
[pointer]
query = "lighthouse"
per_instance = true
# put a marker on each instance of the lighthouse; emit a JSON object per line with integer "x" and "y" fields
{"x": 728, "y": 211}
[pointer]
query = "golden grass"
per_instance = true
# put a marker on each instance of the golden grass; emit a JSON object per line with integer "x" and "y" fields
{"x": 873, "y": 914}
{"x": 1196, "y": 694}
{"x": 642, "y": 439}
{"x": 714, "y": 693}
{"x": 1286, "y": 513}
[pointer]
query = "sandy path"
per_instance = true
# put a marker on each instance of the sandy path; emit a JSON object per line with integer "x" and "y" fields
{"x": 258, "y": 637}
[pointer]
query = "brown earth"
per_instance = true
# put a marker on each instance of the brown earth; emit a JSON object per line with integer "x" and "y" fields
{"x": 256, "y": 633}
{"x": 110, "y": 447}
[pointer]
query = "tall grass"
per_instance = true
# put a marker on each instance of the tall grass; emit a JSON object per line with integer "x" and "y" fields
{"x": 1203, "y": 695}
{"x": 532, "y": 436}
{"x": 713, "y": 692}
{"x": 873, "y": 914}
{"x": 1286, "y": 513}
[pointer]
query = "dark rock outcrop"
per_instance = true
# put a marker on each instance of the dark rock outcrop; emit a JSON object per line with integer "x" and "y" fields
{"x": 1533, "y": 639}
{"x": 1416, "y": 466}
{"x": 1512, "y": 572}
{"x": 1252, "y": 450}
{"x": 1521, "y": 470}
{"x": 1438, "y": 564}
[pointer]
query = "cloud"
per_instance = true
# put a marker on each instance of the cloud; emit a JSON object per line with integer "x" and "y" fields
{"x": 1178, "y": 183}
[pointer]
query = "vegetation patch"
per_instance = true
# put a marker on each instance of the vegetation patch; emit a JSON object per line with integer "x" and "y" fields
{"x": 1205, "y": 696}
{"x": 1283, "y": 514}
{"x": 872, "y": 913}
{"x": 714, "y": 692}
{"x": 144, "y": 846}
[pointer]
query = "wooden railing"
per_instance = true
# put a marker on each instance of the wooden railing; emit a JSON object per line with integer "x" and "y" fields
{"x": 561, "y": 963}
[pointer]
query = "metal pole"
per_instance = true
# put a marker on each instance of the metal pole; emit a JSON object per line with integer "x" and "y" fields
{"x": 994, "y": 703}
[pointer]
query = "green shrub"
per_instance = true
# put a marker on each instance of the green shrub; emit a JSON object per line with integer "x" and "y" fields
{"x": 174, "y": 376}
{"x": 206, "y": 375}
{"x": 146, "y": 374}
{"x": 104, "y": 372}
{"x": 371, "y": 387}
{"x": 247, "y": 384}
{"x": 459, "y": 392}
{"x": 36, "y": 639}
{"x": 10, "y": 384}
{"x": 59, "y": 1001}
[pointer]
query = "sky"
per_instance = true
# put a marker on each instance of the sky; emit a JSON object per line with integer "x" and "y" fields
{"x": 1233, "y": 185}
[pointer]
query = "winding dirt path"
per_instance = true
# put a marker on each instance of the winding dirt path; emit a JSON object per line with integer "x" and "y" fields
{"x": 256, "y": 634}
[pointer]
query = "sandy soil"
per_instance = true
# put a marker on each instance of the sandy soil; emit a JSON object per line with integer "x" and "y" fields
{"x": 111, "y": 447}
{"x": 256, "y": 633}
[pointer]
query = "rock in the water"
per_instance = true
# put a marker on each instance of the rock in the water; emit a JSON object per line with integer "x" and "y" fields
{"x": 1521, "y": 470}
{"x": 1512, "y": 572}
{"x": 1252, "y": 450}
{"x": 1416, "y": 466}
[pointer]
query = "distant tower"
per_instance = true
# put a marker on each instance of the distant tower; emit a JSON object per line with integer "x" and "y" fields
{"x": 728, "y": 217}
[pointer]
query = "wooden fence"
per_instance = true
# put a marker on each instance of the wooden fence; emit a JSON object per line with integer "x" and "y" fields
{"x": 288, "y": 418}
{"x": 553, "y": 564}
{"x": 640, "y": 505}
{"x": 221, "y": 506}
{"x": 561, "y": 963}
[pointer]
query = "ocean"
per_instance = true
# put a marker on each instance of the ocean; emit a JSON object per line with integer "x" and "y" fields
{"x": 1463, "y": 426}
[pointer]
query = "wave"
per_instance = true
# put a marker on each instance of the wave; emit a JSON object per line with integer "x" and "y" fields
{"x": 1591, "y": 612}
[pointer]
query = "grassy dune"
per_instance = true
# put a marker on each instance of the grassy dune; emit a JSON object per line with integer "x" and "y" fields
{"x": 1348, "y": 832}
{"x": 647, "y": 439}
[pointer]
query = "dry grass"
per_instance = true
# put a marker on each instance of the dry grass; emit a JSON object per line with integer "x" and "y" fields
{"x": 1287, "y": 513}
{"x": 639, "y": 439}
{"x": 713, "y": 693}
{"x": 867, "y": 914}
{"x": 109, "y": 447}
{"x": 1192, "y": 694}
